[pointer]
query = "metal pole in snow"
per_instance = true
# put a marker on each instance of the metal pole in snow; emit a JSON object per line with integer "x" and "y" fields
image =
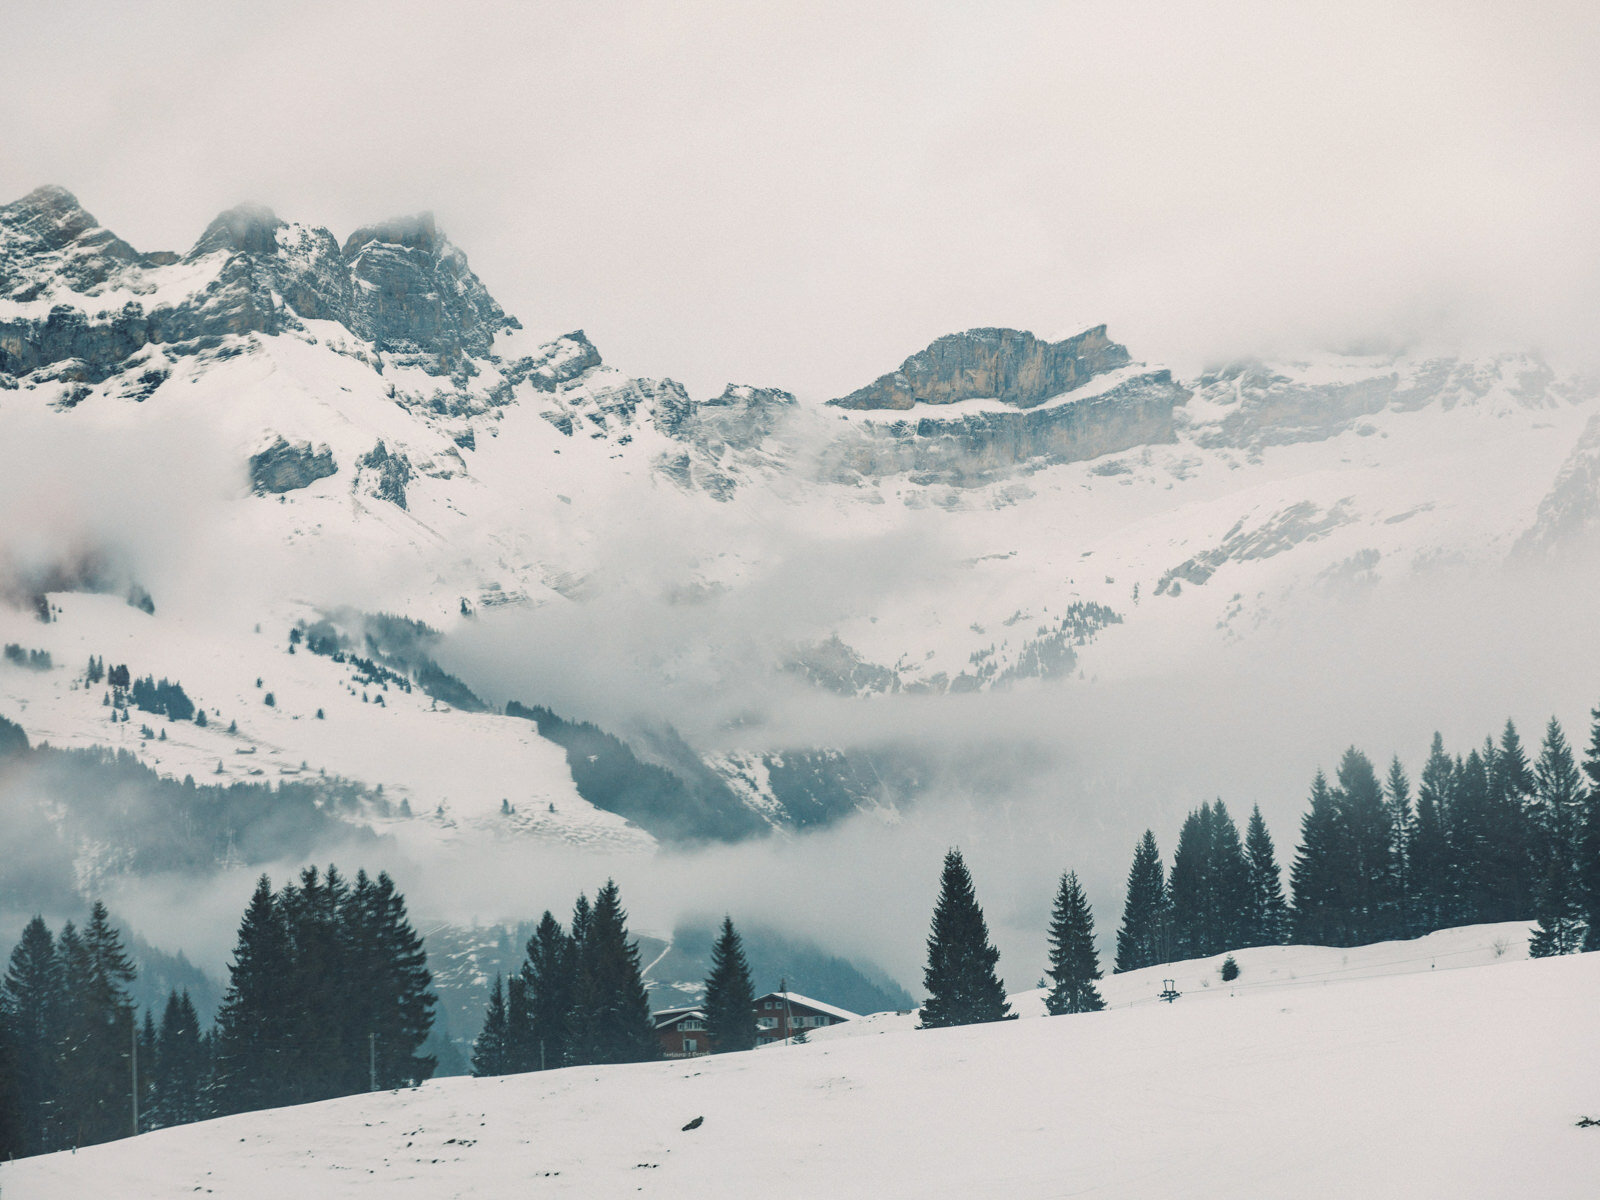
{"x": 135, "y": 1061}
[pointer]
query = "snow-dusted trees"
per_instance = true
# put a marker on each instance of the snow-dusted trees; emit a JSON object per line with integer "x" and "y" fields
{"x": 1074, "y": 965}
{"x": 963, "y": 988}
{"x": 730, "y": 996}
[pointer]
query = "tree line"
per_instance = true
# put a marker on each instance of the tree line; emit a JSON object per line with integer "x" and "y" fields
{"x": 577, "y": 999}
{"x": 1486, "y": 837}
{"x": 328, "y": 995}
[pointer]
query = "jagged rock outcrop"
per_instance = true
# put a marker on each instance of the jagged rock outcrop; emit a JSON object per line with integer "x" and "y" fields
{"x": 385, "y": 473}
{"x": 400, "y": 285}
{"x": 47, "y": 238}
{"x": 1569, "y": 515}
{"x": 414, "y": 294}
{"x": 285, "y": 466}
{"x": 979, "y": 448}
{"x": 555, "y": 363}
{"x": 1009, "y": 365}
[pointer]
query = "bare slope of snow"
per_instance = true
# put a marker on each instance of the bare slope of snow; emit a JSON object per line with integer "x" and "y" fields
{"x": 1441, "y": 1083}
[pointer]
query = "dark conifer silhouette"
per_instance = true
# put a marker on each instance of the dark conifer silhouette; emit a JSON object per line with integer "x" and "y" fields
{"x": 963, "y": 988}
{"x": 730, "y": 997}
{"x": 1074, "y": 964}
{"x": 1145, "y": 937}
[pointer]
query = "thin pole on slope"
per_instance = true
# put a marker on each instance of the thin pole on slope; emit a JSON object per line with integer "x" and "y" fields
{"x": 134, "y": 1060}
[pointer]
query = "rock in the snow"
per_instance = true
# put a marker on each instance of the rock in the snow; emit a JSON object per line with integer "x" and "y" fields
{"x": 286, "y": 466}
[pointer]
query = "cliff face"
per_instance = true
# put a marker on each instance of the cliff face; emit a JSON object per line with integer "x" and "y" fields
{"x": 1009, "y": 365}
{"x": 85, "y": 298}
{"x": 973, "y": 449}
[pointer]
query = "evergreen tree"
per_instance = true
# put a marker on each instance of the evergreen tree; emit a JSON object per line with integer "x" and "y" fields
{"x": 398, "y": 982}
{"x": 1402, "y": 823}
{"x": 12, "y": 1117}
{"x": 1558, "y": 789}
{"x": 522, "y": 1052}
{"x": 620, "y": 1016}
{"x": 1318, "y": 908}
{"x": 31, "y": 996}
{"x": 180, "y": 1064}
{"x": 549, "y": 981}
{"x": 1074, "y": 965}
{"x": 1513, "y": 858}
{"x": 1143, "y": 940}
{"x": 583, "y": 1041}
{"x": 1473, "y": 826}
{"x": 1269, "y": 913}
{"x": 489, "y": 1049}
{"x": 1589, "y": 840}
{"x": 963, "y": 988}
{"x": 99, "y": 1032}
{"x": 1365, "y": 863}
{"x": 1429, "y": 857}
{"x": 255, "y": 1046}
{"x": 730, "y": 997}
{"x": 148, "y": 1064}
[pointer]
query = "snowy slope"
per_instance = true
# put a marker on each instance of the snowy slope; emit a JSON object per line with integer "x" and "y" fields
{"x": 1442, "y": 1083}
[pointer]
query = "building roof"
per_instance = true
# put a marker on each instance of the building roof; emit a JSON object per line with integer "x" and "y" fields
{"x": 667, "y": 1016}
{"x": 796, "y": 998}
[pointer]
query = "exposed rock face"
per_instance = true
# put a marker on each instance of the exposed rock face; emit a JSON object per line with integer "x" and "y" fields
{"x": 414, "y": 294}
{"x": 47, "y": 237}
{"x": 1004, "y": 364}
{"x": 1569, "y": 514}
{"x": 400, "y": 285}
{"x": 385, "y": 474}
{"x": 555, "y": 363}
{"x": 288, "y": 466}
{"x": 979, "y": 448}
{"x": 1270, "y": 407}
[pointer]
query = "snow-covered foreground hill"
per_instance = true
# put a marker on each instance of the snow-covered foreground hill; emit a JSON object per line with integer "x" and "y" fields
{"x": 1333, "y": 1079}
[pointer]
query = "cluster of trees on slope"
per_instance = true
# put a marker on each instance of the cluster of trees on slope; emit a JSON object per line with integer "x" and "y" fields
{"x": 1486, "y": 837}
{"x": 569, "y": 1006}
{"x": 328, "y": 996}
{"x": 578, "y": 998}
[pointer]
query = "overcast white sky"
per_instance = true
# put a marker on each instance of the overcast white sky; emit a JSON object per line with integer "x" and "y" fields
{"x": 801, "y": 194}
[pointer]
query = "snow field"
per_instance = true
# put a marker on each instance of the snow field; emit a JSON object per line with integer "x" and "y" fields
{"x": 1432, "y": 1083}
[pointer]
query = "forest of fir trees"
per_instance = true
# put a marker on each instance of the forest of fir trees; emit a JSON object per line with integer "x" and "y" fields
{"x": 328, "y": 995}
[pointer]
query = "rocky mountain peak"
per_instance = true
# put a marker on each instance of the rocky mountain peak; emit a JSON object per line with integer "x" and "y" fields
{"x": 418, "y": 232}
{"x": 1009, "y": 365}
{"x": 47, "y": 235}
{"x": 246, "y": 229}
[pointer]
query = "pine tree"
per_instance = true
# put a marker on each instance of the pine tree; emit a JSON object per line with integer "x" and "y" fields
{"x": 1074, "y": 965}
{"x": 1402, "y": 823}
{"x": 1589, "y": 840}
{"x": 1513, "y": 858}
{"x": 12, "y": 1117}
{"x": 1318, "y": 909}
{"x": 400, "y": 984}
{"x": 620, "y": 1016}
{"x": 583, "y": 1043}
{"x": 1190, "y": 886}
{"x": 522, "y": 1052}
{"x": 489, "y": 1049}
{"x": 1269, "y": 913}
{"x": 1558, "y": 789}
{"x": 1365, "y": 871}
{"x": 1472, "y": 830}
{"x": 179, "y": 1073}
{"x": 99, "y": 1031}
{"x": 549, "y": 981}
{"x": 963, "y": 988}
{"x": 255, "y": 1046}
{"x": 32, "y": 997}
{"x": 730, "y": 997}
{"x": 1430, "y": 857}
{"x": 1144, "y": 939}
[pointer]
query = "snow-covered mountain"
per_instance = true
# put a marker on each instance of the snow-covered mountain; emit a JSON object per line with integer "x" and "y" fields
{"x": 280, "y": 466}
